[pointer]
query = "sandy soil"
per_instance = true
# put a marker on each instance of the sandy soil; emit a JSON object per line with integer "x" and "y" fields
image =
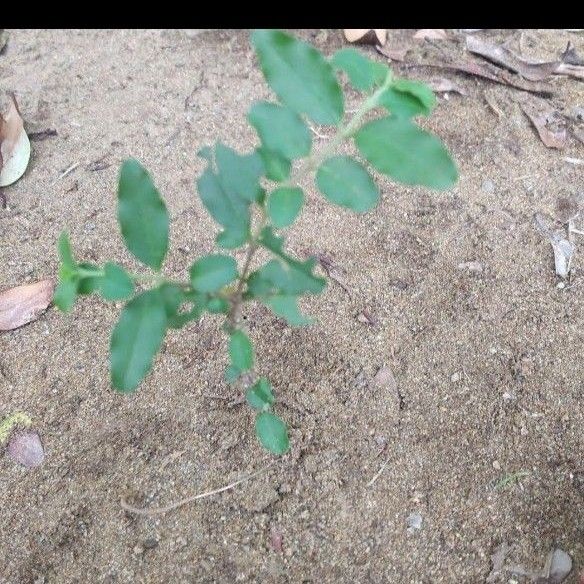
{"x": 488, "y": 364}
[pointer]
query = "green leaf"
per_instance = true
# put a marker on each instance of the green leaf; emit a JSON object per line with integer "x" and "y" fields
{"x": 405, "y": 99}
{"x": 232, "y": 373}
{"x": 259, "y": 395}
{"x": 240, "y": 351}
{"x": 290, "y": 276}
{"x": 272, "y": 433}
{"x": 408, "y": 154}
{"x": 239, "y": 175}
{"x": 115, "y": 284}
{"x": 230, "y": 211}
{"x": 66, "y": 292}
{"x": 284, "y": 205}
{"x": 287, "y": 308}
{"x": 277, "y": 167}
{"x": 142, "y": 215}
{"x": 363, "y": 73}
{"x": 89, "y": 284}
{"x": 346, "y": 182}
{"x": 175, "y": 298}
{"x": 212, "y": 272}
{"x": 217, "y": 306}
{"x": 136, "y": 339}
{"x": 65, "y": 253}
{"x": 299, "y": 75}
{"x": 281, "y": 130}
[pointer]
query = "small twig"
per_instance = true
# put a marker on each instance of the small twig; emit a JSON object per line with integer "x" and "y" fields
{"x": 492, "y": 105}
{"x": 173, "y": 506}
{"x": 67, "y": 171}
{"x": 317, "y": 133}
{"x": 378, "y": 473}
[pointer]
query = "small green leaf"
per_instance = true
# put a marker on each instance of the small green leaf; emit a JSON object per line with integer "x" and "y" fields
{"x": 142, "y": 215}
{"x": 232, "y": 374}
{"x": 212, "y": 272}
{"x": 230, "y": 211}
{"x": 136, "y": 339}
{"x": 239, "y": 175}
{"x": 240, "y": 351}
{"x": 259, "y": 395}
{"x": 272, "y": 433}
{"x": 66, "y": 292}
{"x": 89, "y": 284}
{"x": 217, "y": 306}
{"x": 363, "y": 73}
{"x": 65, "y": 253}
{"x": 287, "y": 308}
{"x": 115, "y": 284}
{"x": 346, "y": 182}
{"x": 276, "y": 166}
{"x": 281, "y": 130}
{"x": 405, "y": 99}
{"x": 408, "y": 154}
{"x": 290, "y": 276}
{"x": 175, "y": 298}
{"x": 299, "y": 75}
{"x": 284, "y": 204}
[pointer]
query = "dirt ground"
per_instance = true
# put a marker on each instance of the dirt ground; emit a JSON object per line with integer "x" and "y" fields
{"x": 487, "y": 359}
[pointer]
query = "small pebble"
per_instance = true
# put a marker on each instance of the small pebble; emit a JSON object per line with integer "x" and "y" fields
{"x": 496, "y": 465}
{"x": 414, "y": 521}
{"x": 455, "y": 377}
{"x": 488, "y": 186}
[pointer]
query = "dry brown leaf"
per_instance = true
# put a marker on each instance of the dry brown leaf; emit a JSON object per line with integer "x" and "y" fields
{"x": 578, "y": 134}
{"x": 492, "y": 73}
{"x": 14, "y": 146}
{"x": 3, "y": 39}
{"x": 367, "y": 36}
{"x": 393, "y": 53}
{"x": 570, "y": 70}
{"x": 552, "y": 133}
{"x": 366, "y": 318}
{"x": 431, "y": 34}
{"x": 571, "y": 57}
{"x": 528, "y": 69}
{"x": 445, "y": 86}
{"x": 23, "y": 304}
{"x": 26, "y": 448}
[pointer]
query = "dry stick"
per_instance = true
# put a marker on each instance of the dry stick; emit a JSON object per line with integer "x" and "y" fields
{"x": 378, "y": 473}
{"x": 173, "y": 506}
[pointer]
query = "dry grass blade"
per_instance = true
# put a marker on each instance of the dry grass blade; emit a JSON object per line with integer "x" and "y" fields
{"x": 187, "y": 500}
{"x": 23, "y": 304}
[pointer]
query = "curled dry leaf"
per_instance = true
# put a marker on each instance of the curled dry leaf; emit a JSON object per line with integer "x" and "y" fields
{"x": 548, "y": 125}
{"x": 3, "y": 40}
{"x": 563, "y": 249}
{"x": 366, "y": 318}
{"x": 26, "y": 448}
{"x": 529, "y": 69}
{"x": 431, "y": 34}
{"x": 366, "y": 36}
{"x": 23, "y": 304}
{"x": 445, "y": 86}
{"x": 14, "y": 146}
{"x": 571, "y": 57}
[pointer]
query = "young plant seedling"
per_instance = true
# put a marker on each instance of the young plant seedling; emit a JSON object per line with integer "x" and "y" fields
{"x": 252, "y": 197}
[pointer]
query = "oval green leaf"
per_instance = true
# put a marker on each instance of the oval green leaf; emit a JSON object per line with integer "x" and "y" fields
{"x": 406, "y": 98}
{"x": 136, "y": 339}
{"x": 142, "y": 215}
{"x": 212, "y": 272}
{"x": 410, "y": 155}
{"x": 280, "y": 129}
{"x": 363, "y": 73}
{"x": 240, "y": 351}
{"x": 299, "y": 75}
{"x": 272, "y": 433}
{"x": 284, "y": 205}
{"x": 115, "y": 284}
{"x": 259, "y": 395}
{"x": 346, "y": 182}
